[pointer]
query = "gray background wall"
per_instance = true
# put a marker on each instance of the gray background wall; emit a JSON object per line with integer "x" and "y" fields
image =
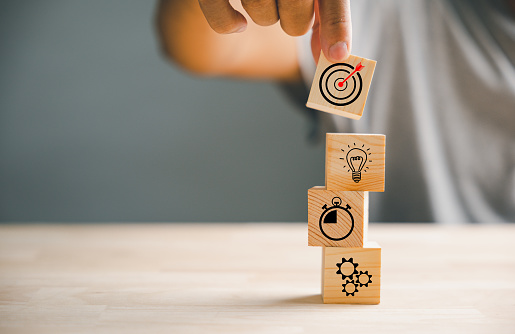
{"x": 96, "y": 126}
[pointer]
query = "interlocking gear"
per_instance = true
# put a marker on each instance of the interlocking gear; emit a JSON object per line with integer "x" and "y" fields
{"x": 364, "y": 278}
{"x": 347, "y": 272}
{"x": 350, "y": 288}
{"x": 353, "y": 280}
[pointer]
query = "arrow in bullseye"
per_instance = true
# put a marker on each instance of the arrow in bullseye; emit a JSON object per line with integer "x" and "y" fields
{"x": 358, "y": 68}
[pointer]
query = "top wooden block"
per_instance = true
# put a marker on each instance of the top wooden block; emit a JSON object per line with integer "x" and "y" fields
{"x": 341, "y": 88}
{"x": 355, "y": 162}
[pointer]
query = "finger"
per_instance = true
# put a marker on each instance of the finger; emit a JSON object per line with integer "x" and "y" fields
{"x": 222, "y": 17}
{"x": 263, "y": 12}
{"x": 335, "y": 29}
{"x": 296, "y": 16}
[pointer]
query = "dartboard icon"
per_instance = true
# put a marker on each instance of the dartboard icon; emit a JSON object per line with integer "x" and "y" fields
{"x": 341, "y": 84}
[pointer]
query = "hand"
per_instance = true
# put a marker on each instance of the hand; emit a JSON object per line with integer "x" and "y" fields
{"x": 331, "y": 27}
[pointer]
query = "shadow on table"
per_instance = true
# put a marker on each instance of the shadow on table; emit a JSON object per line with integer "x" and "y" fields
{"x": 311, "y": 299}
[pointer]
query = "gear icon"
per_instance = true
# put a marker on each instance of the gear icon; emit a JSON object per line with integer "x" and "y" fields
{"x": 347, "y": 268}
{"x": 364, "y": 278}
{"x": 350, "y": 288}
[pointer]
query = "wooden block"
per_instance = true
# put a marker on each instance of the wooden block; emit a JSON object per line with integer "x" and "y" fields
{"x": 351, "y": 275}
{"x": 354, "y": 162}
{"x": 337, "y": 218}
{"x": 341, "y": 88}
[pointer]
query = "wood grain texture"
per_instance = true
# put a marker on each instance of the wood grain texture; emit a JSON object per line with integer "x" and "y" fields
{"x": 324, "y": 69}
{"x": 351, "y": 275}
{"x": 326, "y": 226}
{"x": 248, "y": 278}
{"x": 341, "y": 147}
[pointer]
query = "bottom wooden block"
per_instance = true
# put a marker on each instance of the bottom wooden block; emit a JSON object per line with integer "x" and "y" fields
{"x": 351, "y": 275}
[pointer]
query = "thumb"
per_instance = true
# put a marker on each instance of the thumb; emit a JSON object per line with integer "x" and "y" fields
{"x": 315, "y": 37}
{"x": 335, "y": 29}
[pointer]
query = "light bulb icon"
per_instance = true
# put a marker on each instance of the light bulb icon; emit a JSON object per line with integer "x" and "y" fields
{"x": 356, "y": 159}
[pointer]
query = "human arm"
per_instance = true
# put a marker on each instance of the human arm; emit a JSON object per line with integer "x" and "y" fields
{"x": 188, "y": 37}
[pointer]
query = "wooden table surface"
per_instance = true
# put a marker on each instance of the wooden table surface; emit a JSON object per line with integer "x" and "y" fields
{"x": 248, "y": 278}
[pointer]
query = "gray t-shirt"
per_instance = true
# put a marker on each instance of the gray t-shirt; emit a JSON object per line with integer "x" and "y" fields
{"x": 443, "y": 93}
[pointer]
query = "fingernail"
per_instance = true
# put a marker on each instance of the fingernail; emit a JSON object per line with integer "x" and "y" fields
{"x": 338, "y": 51}
{"x": 242, "y": 28}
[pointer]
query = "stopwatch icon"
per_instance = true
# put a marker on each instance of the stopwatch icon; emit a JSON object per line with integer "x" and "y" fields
{"x": 336, "y": 222}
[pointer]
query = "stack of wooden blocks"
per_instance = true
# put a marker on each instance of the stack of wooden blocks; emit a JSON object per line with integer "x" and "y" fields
{"x": 354, "y": 166}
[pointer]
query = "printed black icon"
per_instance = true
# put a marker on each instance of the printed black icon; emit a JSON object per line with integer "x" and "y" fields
{"x": 356, "y": 159}
{"x": 347, "y": 268}
{"x": 364, "y": 278}
{"x": 350, "y": 288}
{"x": 341, "y": 84}
{"x": 351, "y": 278}
{"x": 334, "y": 221}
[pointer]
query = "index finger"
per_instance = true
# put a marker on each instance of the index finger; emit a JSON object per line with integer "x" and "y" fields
{"x": 335, "y": 29}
